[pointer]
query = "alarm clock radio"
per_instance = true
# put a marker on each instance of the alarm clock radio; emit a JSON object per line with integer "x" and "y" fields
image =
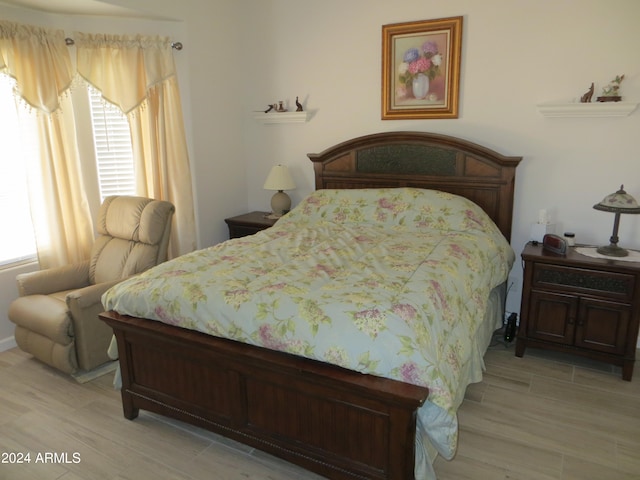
{"x": 554, "y": 243}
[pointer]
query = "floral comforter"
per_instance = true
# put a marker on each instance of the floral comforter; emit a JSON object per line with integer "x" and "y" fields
{"x": 390, "y": 282}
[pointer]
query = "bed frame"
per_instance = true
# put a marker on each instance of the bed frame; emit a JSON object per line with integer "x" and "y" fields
{"x": 336, "y": 422}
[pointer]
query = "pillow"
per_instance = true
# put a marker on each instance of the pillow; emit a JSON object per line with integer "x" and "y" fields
{"x": 411, "y": 208}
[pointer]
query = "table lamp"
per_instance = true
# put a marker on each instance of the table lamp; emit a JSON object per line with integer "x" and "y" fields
{"x": 618, "y": 202}
{"x": 279, "y": 179}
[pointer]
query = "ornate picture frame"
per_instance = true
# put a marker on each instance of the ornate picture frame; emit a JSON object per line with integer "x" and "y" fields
{"x": 421, "y": 69}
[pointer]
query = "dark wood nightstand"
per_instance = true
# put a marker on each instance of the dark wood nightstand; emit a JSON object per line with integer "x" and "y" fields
{"x": 579, "y": 304}
{"x": 249, "y": 223}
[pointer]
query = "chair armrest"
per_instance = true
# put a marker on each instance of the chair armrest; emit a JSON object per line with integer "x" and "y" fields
{"x": 51, "y": 280}
{"x": 92, "y": 335}
{"x": 90, "y": 295}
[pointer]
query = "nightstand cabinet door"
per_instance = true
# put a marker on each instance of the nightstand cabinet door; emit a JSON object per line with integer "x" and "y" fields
{"x": 552, "y": 317}
{"x": 603, "y": 325}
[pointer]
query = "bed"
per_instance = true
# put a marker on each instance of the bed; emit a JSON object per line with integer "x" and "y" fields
{"x": 335, "y": 379}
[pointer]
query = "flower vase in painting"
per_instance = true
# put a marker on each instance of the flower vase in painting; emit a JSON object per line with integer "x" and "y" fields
{"x": 418, "y": 68}
{"x": 420, "y": 86}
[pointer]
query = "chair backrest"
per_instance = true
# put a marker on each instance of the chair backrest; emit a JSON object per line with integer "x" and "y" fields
{"x": 133, "y": 236}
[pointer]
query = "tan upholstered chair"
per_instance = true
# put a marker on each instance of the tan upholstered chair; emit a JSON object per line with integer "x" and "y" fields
{"x": 56, "y": 315}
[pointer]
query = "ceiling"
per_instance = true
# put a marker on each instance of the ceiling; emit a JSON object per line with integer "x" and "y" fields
{"x": 77, "y": 7}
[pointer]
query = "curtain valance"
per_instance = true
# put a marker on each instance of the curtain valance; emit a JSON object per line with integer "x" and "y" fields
{"x": 148, "y": 61}
{"x": 38, "y": 59}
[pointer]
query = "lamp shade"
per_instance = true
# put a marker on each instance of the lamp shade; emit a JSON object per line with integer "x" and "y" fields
{"x": 618, "y": 202}
{"x": 279, "y": 179}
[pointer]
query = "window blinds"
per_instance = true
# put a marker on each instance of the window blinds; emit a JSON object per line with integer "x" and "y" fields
{"x": 114, "y": 154}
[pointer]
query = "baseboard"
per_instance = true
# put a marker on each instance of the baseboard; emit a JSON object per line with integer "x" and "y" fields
{"x": 7, "y": 344}
{"x": 84, "y": 377}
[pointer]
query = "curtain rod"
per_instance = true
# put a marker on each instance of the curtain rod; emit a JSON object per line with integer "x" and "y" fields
{"x": 175, "y": 45}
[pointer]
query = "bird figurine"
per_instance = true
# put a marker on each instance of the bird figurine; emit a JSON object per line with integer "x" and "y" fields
{"x": 299, "y": 105}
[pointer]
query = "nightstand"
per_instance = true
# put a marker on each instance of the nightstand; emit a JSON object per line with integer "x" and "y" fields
{"x": 249, "y": 223}
{"x": 579, "y": 304}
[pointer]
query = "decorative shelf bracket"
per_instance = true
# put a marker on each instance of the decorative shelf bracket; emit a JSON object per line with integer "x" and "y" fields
{"x": 593, "y": 109}
{"x": 281, "y": 117}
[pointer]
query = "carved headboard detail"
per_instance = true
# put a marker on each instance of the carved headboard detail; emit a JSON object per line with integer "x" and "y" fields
{"x": 423, "y": 160}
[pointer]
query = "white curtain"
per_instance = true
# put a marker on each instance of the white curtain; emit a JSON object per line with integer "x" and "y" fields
{"x": 38, "y": 60}
{"x": 137, "y": 73}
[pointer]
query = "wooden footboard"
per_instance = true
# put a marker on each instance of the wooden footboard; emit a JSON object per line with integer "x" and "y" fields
{"x": 338, "y": 423}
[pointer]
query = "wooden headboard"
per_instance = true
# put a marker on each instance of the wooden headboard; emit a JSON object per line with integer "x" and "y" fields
{"x": 423, "y": 160}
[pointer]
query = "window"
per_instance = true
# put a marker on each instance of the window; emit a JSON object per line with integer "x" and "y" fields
{"x": 114, "y": 154}
{"x": 114, "y": 167}
{"x": 17, "y": 244}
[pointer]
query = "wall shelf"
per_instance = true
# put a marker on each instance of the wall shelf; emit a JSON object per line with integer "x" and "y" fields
{"x": 281, "y": 117}
{"x": 593, "y": 109}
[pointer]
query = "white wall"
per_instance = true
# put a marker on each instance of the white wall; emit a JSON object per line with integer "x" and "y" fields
{"x": 515, "y": 54}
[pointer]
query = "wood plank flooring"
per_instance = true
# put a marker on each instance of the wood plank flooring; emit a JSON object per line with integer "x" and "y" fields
{"x": 545, "y": 416}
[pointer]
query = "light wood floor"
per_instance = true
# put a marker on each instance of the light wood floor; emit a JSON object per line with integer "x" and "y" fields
{"x": 538, "y": 417}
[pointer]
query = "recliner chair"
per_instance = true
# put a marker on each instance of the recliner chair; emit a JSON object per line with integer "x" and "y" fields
{"x": 56, "y": 315}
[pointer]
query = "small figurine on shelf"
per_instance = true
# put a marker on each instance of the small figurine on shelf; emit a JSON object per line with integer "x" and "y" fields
{"x": 299, "y": 105}
{"x": 280, "y": 107}
{"x": 586, "y": 98}
{"x": 270, "y": 108}
{"x": 611, "y": 93}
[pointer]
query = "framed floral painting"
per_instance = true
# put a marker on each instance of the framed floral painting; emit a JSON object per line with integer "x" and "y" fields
{"x": 421, "y": 69}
